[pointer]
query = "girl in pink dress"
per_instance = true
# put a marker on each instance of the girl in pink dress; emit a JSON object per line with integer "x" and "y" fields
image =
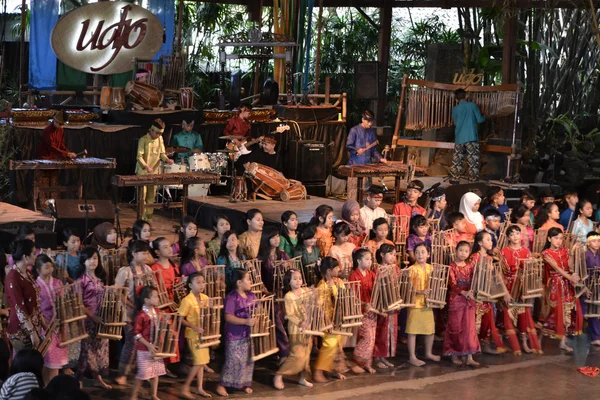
{"x": 56, "y": 357}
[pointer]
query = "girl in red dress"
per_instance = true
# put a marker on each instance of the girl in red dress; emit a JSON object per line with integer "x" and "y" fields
{"x": 386, "y": 336}
{"x": 512, "y": 256}
{"x": 363, "y": 351}
{"x": 563, "y": 312}
{"x": 461, "y": 340}
{"x": 167, "y": 268}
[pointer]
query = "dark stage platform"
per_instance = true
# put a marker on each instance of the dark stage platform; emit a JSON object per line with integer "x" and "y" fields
{"x": 204, "y": 209}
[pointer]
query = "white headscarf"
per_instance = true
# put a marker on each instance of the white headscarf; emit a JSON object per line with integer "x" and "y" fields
{"x": 466, "y": 208}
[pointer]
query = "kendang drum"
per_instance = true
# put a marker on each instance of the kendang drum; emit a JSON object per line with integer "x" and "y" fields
{"x": 145, "y": 95}
{"x": 198, "y": 161}
{"x": 105, "y": 97}
{"x": 295, "y": 192}
{"x": 186, "y": 98}
{"x": 117, "y": 99}
{"x": 267, "y": 180}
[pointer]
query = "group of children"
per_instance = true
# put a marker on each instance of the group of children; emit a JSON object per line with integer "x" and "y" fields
{"x": 350, "y": 249}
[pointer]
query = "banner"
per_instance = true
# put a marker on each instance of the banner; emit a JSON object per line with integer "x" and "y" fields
{"x": 165, "y": 11}
{"x": 42, "y": 61}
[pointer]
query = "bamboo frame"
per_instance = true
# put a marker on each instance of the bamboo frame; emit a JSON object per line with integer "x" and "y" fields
{"x": 407, "y": 290}
{"x": 179, "y": 290}
{"x": 487, "y": 278}
{"x": 69, "y": 312}
{"x": 347, "y": 312}
{"x": 166, "y": 335}
{"x": 214, "y": 276}
{"x": 253, "y": 267}
{"x": 210, "y": 322}
{"x": 385, "y": 297}
{"x": 579, "y": 268}
{"x": 400, "y": 226}
{"x": 280, "y": 268}
{"x": 593, "y": 301}
{"x": 44, "y": 345}
{"x": 438, "y": 286}
{"x": 309, "y": 275}
{"x": 112, "y": 260}
{"x": 263, "y": 331}
{"x": 442, "y": 249}
{"x": 315, "y": 321}
{"x": 529, "y": 282}
{"x": 156, "y": 280}
{"x": 112, "y": 312}
{"x": 502, "y": 239}
{"x": 540, "y": 237}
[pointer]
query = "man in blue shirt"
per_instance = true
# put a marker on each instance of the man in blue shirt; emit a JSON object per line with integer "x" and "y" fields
{"x": 187, "y": 138}
{"x": 466, "y": 116}
{"x": 359, "y": 140}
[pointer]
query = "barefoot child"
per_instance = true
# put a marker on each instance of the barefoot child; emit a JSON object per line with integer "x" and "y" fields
{"x": 238, "y": 367}
{"x": 146, "y": 324}
{"x": 297, "y": 363}
{"x": 461, "y": 340}
{"x": 190, "y": 309}
{"x": 386, "y": 336}
{"x": 363, "y": 351}
{"x": 420, "y": 318}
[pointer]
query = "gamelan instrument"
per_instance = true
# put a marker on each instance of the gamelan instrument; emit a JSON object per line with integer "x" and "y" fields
{"x": 529, "y": 282}
{"x": 210, "y": 322}
{"x": 347, "y": 312}
{"x": 502, "y": 239}
{"x": 112, "y": 312}
{"x": 579, "y": 268}
{"x": 315, "y": 321}
{"x": 263, "y": 337}
{"x": 280, "y": 268}
{"x": 540, "y": 237}
{"x": 117, "y": 99}
{"x": 346, "y": 264}
{"x": 438, "y": 286}
{"x": 68, "y": 304}
{"x": 442, "y": 247}
{"x": 270, "y": 183}
{"x": 253, "y": 268}
{"x": 186, "y": 98}
{"x": 146, "y": 96}
{"x": 214, "y": 276}
{"x": 166, "y": 335}
{"x": 407, "y": 290}
{"x": 593, "y": 300}
{"x": 44, "y": 345}
{"x": 242, "y": 149}
{"x": 183, "y": 178}
{"x": 488, "y": 281}
{"x": 385, "y": 297}
{"x": 402, "y": 173}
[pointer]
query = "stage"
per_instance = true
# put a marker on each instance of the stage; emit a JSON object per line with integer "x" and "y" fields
{"x": 204, "y": 209}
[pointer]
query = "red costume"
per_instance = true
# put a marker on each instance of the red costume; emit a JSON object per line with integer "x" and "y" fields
{"x": 461, "y": 329}
{"x": 563, "y": 316}
{"x": 237, "y": 126}
{"x": 386, "y": 336}
{"x": 52, "y": 146}
{"x": 169, "y": 275}
{"x": 365, "y": 344}
{"x": 23, "y": 298}
{"x": 521, "y": 315}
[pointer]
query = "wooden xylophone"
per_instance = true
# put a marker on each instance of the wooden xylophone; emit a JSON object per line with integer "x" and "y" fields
{"x": 399, "y": 170}
{"x": 76, "y": 163}
{"x": 179, "y": 178}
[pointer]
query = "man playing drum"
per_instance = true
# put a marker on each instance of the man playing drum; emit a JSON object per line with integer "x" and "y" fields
{"x": 151, "y": 150}
{"x": 187, "y": 138}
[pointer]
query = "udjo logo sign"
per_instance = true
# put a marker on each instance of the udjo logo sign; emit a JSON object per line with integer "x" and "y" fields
{"x": 104, "y": 37}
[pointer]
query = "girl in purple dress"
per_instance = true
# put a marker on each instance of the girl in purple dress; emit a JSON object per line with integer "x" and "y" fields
{"x": 56, "y": 357}
{"x": 193, "y": 256}
{"x": 94, "y": 351}
{"x": 238, "y": 366}
{"x": 419, "y": 233}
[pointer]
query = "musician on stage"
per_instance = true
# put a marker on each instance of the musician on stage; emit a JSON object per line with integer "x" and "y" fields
{"x": 51, "y": 147}
{"x": 466, "y": 116}
{"x": 239, "y": 125}
{"x": 151, "y": 150}
{"x": 360, "y": 138}
{"x": 187, "y": 138}
{"x": 266, "y": 155}
{"x": 141, "y": 76}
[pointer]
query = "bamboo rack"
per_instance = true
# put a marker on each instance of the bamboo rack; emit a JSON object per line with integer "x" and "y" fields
{"x": 214, "y": 276}
{"x": 579, "y": 268}
{"x": 386, "y": 291}
{"x": 310, "y": 275}
{"x": 528, "y": 283}
{"x": 253, "y": 268}
{"x": 44, "y": 345}
{"x": 593, "y": 301}
{"x": 442, "y": 249}
{"x": 540, "y": 238}
{"x": 400, "y": 230}
{"x": 179, "y": 290}
{"x": 487, "y": 280}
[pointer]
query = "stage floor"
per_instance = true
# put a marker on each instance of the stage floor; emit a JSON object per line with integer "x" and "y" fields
{"x": 204, "y": 209}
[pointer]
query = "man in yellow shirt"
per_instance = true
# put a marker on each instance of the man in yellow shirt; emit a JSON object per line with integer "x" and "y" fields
{"x": 151, "y": 149}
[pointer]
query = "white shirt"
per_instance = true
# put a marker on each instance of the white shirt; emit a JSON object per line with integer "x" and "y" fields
{"x": 369, "y": 215}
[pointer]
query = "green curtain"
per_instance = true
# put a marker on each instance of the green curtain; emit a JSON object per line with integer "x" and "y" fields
{"x": 68, "y": 78}
{"x": 120, "y": 80}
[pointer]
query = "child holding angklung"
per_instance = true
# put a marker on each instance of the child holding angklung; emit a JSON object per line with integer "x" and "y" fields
{"x": 193, "y": 256}
{"x": 592, "y": 261}
{"x": 363, "y": 351}
{"x": 230, "y": 255}
{"x": 221, "y": 225}
{"x": 328, "y": 290}
{"x": 146, "y": 329}
{"x": 461, "y": 340}
{"x": 342, "y": 248}
{"x": 297, "y": 363}
{"x": 190, "y": 309}
{"x": 512, "y": 256}
{"x": 562, "y": 314}
{"x": 323, "y": 219}
{"x": 420, "y": 318}
{"x": 238, "y": 366}
{"x": 379, "y": 235}
{"x": 419, "y": 233}
{"x": 307, "y": 249}
{"x": 386, "y": 335}
{"x": 164, "y": 265}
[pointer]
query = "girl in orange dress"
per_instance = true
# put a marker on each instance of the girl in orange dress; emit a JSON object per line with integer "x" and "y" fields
{"x": 563, "y": 314}
{"x": 323, "y": 219}
{"x": 469, "y": 207}
{"x": 343, "y": 248}
{"x": 379, "y": 235}
{"x": 386, "y": 336}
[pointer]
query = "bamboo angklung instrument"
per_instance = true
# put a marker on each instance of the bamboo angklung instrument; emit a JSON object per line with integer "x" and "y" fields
{"x": 487, "y": 280}
{"x": 442, "y": 250}
{"x": 60, "y": 268}
{"x": 253, "y": 268}
{"x": 502, "y": 239}
{"x": 347, "y": 312}
{"x": 179, "y": 290}
{"x": 112, "y": 260}
{"x": 438, "y": 286}
{"x": 407, "y": 290}
{"x": 345, "y": 267}
{"x": 211, "y": 255}
{"x": 214, "y": 275}
{"x": 315, "y": 321}
{"x": 579, "y": 268}
{"x": 529, "y": 283}
{"x": 399, "y": 224}
{"x": 309, "y": 275}
{"x": 166, "y": 336}
{"x": 593, "y": 301}
{"x": 163, "y": 294}
{"x": 210, "y": 322}
{"x": 44, "y": 345}
{"x": 112, "y": 312}
{"x": 540, "y": 238}
{"x": 280, "y": 268}
{"x": 68, "y": 304}
{"x": 386, "y": 291}
{"x": 263, "y": 332}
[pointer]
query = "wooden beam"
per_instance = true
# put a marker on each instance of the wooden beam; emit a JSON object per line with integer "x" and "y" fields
{"x": 383, "y": 58}
{"x": 365, "y": 16}
{"x": 509, "y": 43}
{"x": 450, "y": 145}
{"x": 543, "y": 4}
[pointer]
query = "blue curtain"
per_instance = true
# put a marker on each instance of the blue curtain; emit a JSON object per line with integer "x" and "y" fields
{"x": 165, "y": 11}
{"x": 42, "y": 60}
